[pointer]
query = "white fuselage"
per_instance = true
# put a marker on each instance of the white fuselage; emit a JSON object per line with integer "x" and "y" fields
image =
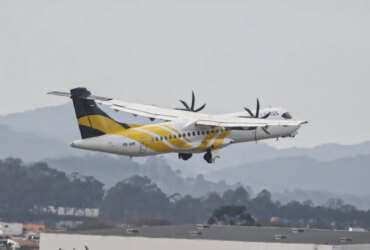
{"x": 171, "y": 137}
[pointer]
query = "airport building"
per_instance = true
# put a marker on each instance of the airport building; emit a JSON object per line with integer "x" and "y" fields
{"x": 202, "y": 237}
{"x": 11, "y": 229}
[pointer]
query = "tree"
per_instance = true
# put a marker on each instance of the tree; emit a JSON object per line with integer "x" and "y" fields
{"x": 263, "y": 206}
{"x": 238, "y": 196}
{"x": 133, "y": 199}
{"x": 213, "y": 201}
{"x": 232, "y": 215}
{"x": 25, "y": 190}
{"x": 189, "y": 210}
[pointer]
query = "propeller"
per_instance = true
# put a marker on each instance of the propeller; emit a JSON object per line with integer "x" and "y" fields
{"x": 266, "y": 131}
{"x": 257, "y": 114}
{"x": 191, "y": 108}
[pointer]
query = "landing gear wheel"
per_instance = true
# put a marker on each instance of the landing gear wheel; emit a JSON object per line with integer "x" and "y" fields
{"x": 185, "y": 157}
{"x": 208, "y": 156}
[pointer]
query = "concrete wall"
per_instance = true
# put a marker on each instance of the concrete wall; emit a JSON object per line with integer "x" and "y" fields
{"x": 77, "y": 242}
{"x": 353, "y": 247}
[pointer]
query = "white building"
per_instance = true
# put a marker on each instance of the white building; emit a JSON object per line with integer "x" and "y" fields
{"x": 213, "y": 238}
{"x": 12, "y": 229}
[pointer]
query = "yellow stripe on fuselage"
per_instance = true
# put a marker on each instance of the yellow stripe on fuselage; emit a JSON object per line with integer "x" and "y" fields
{"x": 204, "y": 145}
{"x": 178, "y": 142}
{"x": 220, "y": 139}
{"x": 176, "y": 131}
{"x": 146, "y": 140}
{"x": 109, "y": 126}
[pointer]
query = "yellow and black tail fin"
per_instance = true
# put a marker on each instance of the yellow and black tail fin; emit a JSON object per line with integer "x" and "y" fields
{"x": 93, "y": 121}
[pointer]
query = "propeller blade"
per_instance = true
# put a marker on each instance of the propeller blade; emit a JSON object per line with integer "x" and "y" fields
{"x": 266, "y": 116}
{"x": 191, "y": 107}
{"x": 266, "y": 131}
{"x": 192, "y": 100}
{"x": 249, "y": 112}
{"x": 258, "y": 109}
{"x": 200, "y": 108}
{"x": 185, "y": 104}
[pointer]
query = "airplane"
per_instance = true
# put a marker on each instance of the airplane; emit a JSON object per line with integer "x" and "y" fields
{"x": 184, "y": 131}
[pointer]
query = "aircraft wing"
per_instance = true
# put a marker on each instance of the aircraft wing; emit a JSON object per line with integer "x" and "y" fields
{"x": 191, "y": 118}
{"x": 244, "y": 123}
{"x": 197, "y": 119}
{"x": 149, "y": 111}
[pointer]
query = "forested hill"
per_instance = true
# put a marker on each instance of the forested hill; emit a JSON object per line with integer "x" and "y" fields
{"x": 31, "y": 192}
{"x": 111, "y": 170}
{"x": 345, "y": 176}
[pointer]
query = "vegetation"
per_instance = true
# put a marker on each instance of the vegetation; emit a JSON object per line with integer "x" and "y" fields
{"x": 232, "y": 215}
{"x": 26, "y": 189}
{"x": 135, "y": 198}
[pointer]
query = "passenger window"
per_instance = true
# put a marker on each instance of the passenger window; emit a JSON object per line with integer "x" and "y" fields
{"x": 189, "y": 134}
{"x": 194, "y": 134}
{"x": 198, "y": 132}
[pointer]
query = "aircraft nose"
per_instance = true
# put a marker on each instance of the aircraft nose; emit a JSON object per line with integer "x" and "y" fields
{"x": 296, "y": 128}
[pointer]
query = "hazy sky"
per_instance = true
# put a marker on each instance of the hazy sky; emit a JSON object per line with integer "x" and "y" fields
{"x": 311, "y": 57}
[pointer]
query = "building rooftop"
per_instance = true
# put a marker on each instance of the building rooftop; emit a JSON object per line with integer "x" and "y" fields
{"x": 239, "y": 233}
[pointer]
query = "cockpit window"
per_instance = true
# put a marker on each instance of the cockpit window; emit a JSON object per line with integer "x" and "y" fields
{"x": 287, "y": 116}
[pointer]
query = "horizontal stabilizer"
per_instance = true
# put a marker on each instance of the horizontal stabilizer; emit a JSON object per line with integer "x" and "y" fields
{"x": 59, "y": 93}
{"x": 90, "y": 97}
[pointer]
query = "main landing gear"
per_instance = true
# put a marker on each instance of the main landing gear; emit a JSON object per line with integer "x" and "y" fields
{"x": 185, "y": 157}
{"x": 209, "y": 156}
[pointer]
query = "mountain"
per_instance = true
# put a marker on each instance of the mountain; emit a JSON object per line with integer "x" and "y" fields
{"x": 29, "y": 146}
{"x": 329, "y": 152}
{"x": 55, "y": 122}
{"x": 344, "y": 176}
{"x": 322, "y": 197}
{"x": 111, "y": 170}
